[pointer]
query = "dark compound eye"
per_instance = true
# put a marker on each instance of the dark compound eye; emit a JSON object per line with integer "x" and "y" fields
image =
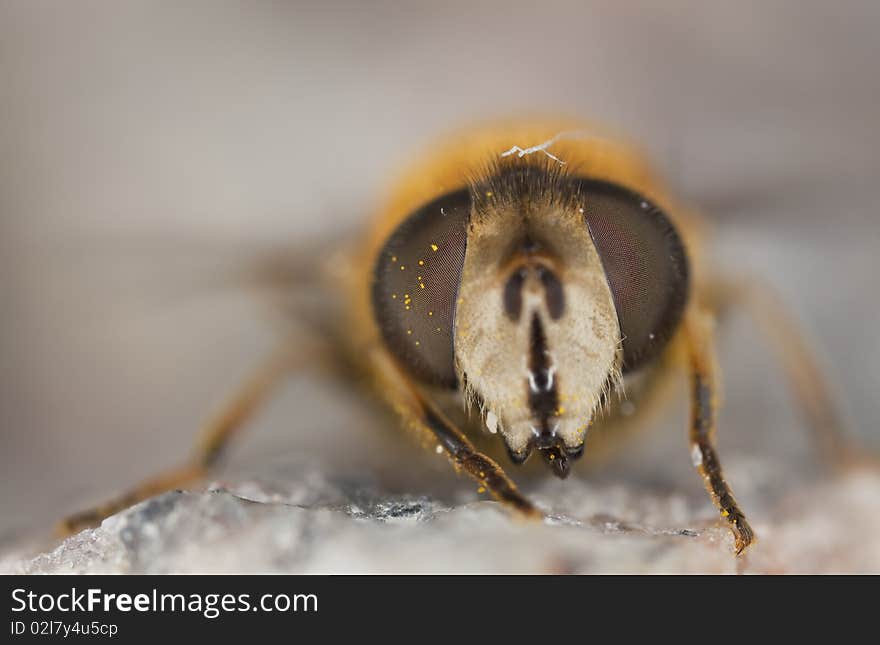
{"x": 416, "y": 283}
{"x": 645, "y": 263}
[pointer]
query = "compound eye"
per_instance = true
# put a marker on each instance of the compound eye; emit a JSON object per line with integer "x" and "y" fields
{"x": 645, "y": 264}
{"x": 415, "y": 288}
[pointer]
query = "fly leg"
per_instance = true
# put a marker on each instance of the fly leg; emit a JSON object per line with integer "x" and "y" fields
{"x": 423, "y": 416}
{"x": 799, "y": 364}
{"x": 215, "y": 439}
{"x": 703, "y": 389}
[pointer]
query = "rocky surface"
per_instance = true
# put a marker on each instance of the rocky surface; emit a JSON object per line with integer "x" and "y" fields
{"x": 297, "y": 521}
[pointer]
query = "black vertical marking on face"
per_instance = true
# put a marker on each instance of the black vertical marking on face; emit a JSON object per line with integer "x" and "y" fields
{"x": 544, "y": 403}
{"x": 513, "y": 295}
{"x": 552, "y": 292}
{"x": 543, "y": 397}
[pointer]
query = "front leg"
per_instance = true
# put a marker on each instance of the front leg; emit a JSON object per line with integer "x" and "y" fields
{"x": 422, "y": 415}
{"x": 482, "y": 468}
{"x": 701, "y": 367}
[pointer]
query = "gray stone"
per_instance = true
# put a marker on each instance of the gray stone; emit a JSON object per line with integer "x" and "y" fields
{"x": 308, "y": 523}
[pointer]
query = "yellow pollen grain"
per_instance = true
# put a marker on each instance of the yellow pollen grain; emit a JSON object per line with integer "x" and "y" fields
{"x": 409, "y": 331}
{"x": 417, "y": 343}
{"x": 421, "y": 263}
{"x": 394, "y": 295}
{"x": 481, "y": 489}
{"x": 402, "y": 267}
{"x": 430, "y": 313}
{"x": 407, "y": 307}
{"x": 434, "y": 247}
{"x": 552, "y": 456}
{"x": 421, "y": 285}
{"x": 394, "y": 258}
{"x": 561, "y": 410}
{"x": 724, "y": 513}
{"x": 489, "y": 194}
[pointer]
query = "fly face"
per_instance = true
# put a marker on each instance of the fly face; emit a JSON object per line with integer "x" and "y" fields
{"x": 537, "y": 340}
{"x": 532, "y": 291}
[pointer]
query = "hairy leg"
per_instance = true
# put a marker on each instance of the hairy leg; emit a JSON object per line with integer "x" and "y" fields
{"x": 215, "y": 439}
{"x": 701, "y": 365}
{"x": 801, "y": 368}
{"x": 424, "y": 417}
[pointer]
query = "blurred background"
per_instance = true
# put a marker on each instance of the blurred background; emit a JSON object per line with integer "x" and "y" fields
{"x": 148, "y": 147}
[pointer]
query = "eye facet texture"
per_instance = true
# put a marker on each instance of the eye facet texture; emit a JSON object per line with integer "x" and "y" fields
{"x": 645, "y": 264}
{"x": 415, "y": 288}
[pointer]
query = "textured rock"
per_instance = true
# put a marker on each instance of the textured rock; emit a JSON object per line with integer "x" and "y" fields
{"x": 307, "y": 523}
